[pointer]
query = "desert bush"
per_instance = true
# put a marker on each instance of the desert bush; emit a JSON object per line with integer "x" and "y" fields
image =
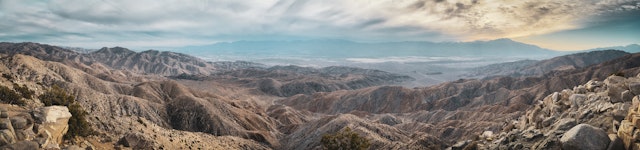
{"x": 9, "y": 96}
{"x": 24, "y": 91}
{"x": 56, "y": 96}
{"x": 344, "y": 140}
{"x": 78, "y": 125}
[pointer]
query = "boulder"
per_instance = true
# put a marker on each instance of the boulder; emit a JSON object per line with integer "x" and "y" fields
{"x": 634, "y": 87}
{"x": 592, "y": 85}
{"x": 18, "y": 122}
{"x": 565, "y": 124}
{"x": 580, "y": 89}
{"x": 6, "y": 137}
{"x": 54, "y": 120}
{"x": 626, "y": 96}
{"x": 585, "y": 137}
{"x": 135, "y": 141}
{"x": 577, "y": 99}
{"x": 616, "y": 143}
{"x": 614, "y": 80}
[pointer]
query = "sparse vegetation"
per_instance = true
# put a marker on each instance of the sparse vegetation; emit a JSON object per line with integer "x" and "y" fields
{"x": 7, "y": 76}
{"x": 56, "y": 96}
{"x": 344, "y": 140}
{"x": 78, "y": 125}
{"x": 9, "y": 96}
{"x": 24, "y": 91}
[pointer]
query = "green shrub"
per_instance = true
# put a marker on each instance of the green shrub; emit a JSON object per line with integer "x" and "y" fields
{"x": 56, "y": 96}
{"x": 344, "y": 140}
{"x": 24, "y": 91}
{"x": 9, "y": 96}
{"x": 78, "y": 125}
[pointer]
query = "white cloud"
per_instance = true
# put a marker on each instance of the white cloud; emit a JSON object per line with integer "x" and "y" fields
{"x": 158, "y": 22}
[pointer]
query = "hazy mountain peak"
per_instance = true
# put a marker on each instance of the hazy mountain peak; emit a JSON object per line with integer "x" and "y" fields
{"x": 115, "y": 50}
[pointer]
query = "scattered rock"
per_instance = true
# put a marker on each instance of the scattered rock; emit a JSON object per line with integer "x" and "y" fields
{"x": 585, "y": 137}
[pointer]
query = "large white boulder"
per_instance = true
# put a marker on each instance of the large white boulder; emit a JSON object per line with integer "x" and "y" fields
{"x": 54, "y": 124}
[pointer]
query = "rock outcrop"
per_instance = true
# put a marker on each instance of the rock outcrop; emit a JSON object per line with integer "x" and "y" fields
{"x": 17, "y": 130}
{"x": 589, "y": 116}
{"x": 585, "y": 137}
{"x": 629, "y": 128}
{"x": 53, "y": 122}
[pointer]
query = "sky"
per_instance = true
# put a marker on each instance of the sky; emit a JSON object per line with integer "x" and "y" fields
{"x": 553, "y": 24}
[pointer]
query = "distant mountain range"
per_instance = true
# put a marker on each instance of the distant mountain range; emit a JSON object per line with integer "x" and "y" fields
{"x": 346, "y": 49}
{"x": 631, "y": 48}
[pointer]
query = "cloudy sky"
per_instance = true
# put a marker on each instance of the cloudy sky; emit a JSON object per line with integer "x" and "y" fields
{"x": 554, "y": 24}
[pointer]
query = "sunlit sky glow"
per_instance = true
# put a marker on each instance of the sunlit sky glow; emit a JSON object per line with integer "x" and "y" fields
{"x": 554, "y": 24}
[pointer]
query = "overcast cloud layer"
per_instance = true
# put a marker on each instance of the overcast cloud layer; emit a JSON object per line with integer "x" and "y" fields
{"x": 167, "y": 23}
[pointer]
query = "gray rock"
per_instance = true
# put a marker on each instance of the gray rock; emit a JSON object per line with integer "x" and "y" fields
{"x": 18, "y": 122}
{"x": 626, "y": 96}
{"x": 577, "y": 99}
{"x": 592, "y": 85}
{"x": 565, "y": 124}
{"x": 616, "y": 142}
{"x": 634, "y": 87}
{"x": 580, "y": 89}
{"x": 614, "y": 80}
{"x": 547, "y": 122}
{"x": 5, "y": 124}
{"x": 6, "y": 137}
{"x": 22, "y": 145}
{"x": 135, "y": 141}
{"x": 585, "y": 137}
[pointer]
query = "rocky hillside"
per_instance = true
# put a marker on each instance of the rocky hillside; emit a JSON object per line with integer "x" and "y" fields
{"x": 131, "y": 103}
{"x": 466, "y": 106}
{"x": 151, "y": 61}
{"x": 146, "y": 62}
{"x": 595, "y": 115}
{"x": 527, "y": 68}
{"x": 287, "y": 81}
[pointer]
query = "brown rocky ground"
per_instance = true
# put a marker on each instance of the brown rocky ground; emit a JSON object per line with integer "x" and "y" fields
{"x": 132, "y": 104}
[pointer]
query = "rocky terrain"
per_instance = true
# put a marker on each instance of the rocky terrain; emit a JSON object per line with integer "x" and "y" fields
{"x": 595, "y": 115}
{"x": 164, "y": 100}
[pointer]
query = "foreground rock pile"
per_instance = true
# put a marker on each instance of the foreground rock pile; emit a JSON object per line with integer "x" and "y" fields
{"x": 596, "y": 115}
{"x": 19, "y": 129}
